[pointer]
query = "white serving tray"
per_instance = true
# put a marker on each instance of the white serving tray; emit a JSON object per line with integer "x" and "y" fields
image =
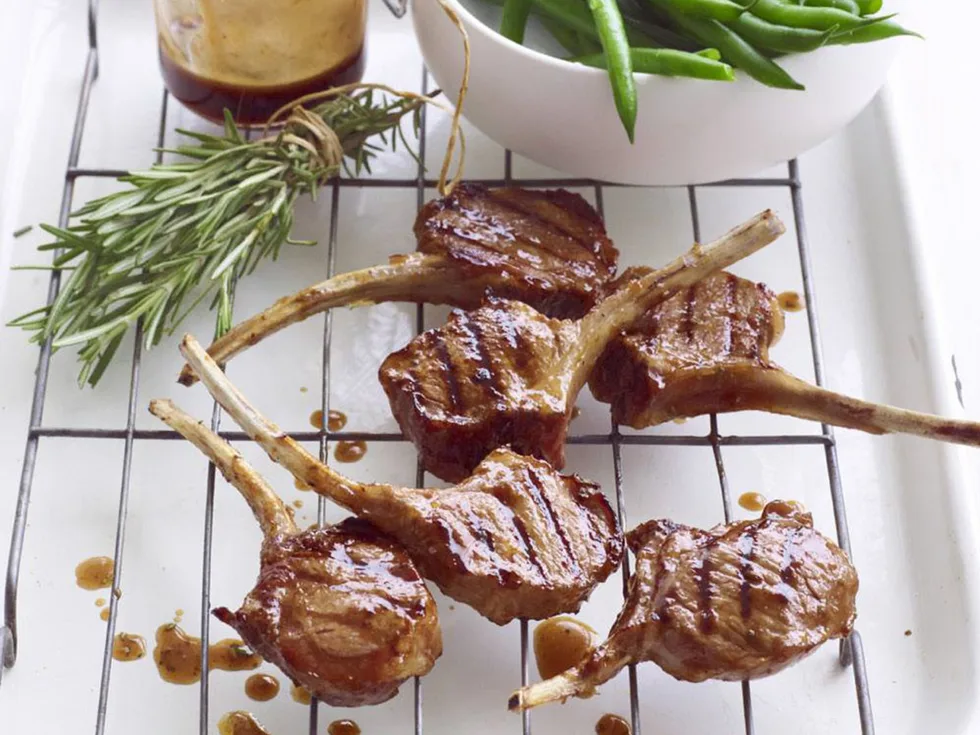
{"x": 912, "y": 514}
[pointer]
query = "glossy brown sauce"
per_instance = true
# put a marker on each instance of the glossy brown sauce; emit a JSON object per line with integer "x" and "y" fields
{"x": 240, "y": 723}
{"x": 250, "y": 105}
{"x": 350, "y": 451}
{"x": 95, "y": 573}
{"x": 104, "y": 613}
{"x": 178, "y": 655}
{"x": 261, "y": 687}
{"x": 790, "y": 301}
{"x": 300, "y": 485}
{"x": 560, "y": 643}
{"x": 128, "y": 647}
{"x": 343, "y": 727}
{"x": 612, "y": 725}
{"x": 336, "y": 420}
{"x": 752, "y": 501}
{"x": 300, "y": 694}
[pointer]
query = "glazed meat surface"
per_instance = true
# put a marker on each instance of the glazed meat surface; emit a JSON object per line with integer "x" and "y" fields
{"x": 341, "y": 610}
{"x": 515, "y": 539}
{"x": 706, "y": 350}
{"x": 689, "y": 349}
{"x": 479, "y": 382}
{"x": 548, "y": 249}
{"x": 506, "y": 375}
{"x": 740, "y": 601}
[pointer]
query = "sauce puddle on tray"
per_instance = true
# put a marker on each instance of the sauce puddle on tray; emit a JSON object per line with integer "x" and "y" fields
{"x": 178, "y": 655}
{"x": 300, "y": 695}
{"x": 752, "y": 501}
{"x": 128, "y": 647}
{"x": 95, "y": 573}
{"x": 560, "y": 643}
{"x": 610, "y": 724}
{"x": 261, "y": 687}
{"x": 240, "y": 723}
{"x": 336, "y": 420}
{"x": 790, "y": 301}
{"x": 350, "y": 451}
{"x": 343, "y": 727}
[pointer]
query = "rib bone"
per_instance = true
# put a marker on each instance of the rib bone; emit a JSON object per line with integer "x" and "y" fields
{"x": 516, "y": 539}
{"x": 737, "y": 602}
{"x": 548, "y": 249}
{"x": 504, "y": 375}
{"x": 706, "y": 350}
{"x": 341, "y": 610}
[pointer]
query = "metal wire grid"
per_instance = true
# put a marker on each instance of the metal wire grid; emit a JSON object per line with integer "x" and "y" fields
{"x": 851, "y": 650}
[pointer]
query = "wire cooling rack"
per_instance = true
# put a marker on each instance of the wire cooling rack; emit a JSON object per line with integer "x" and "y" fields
{"x": 851, "y": 649}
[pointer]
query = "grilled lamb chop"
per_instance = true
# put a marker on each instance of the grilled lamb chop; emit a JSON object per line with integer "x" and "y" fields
{"x": 505, "y": 374}
{"x": 736, "y": 602}
{"x": 341, "y": 610}
{"x": 516, "y": 539}
{"x": 548, "y": 249}
{"x": 706, "y": 350}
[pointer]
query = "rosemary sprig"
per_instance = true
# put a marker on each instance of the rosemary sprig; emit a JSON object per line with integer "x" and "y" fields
{"x": 185, "y": 231}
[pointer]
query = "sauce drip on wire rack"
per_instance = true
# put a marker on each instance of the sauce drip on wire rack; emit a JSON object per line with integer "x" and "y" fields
{"x": 560, "y": 643}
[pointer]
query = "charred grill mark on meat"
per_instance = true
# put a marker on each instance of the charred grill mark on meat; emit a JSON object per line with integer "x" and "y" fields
{"x": 548, "y": 249}
{"x": 667, "y": 366}
{"x": 715, "y": 604}
{"x": 341, "y": 610}
{"x": 541, "y": 363}
{"x": 504, "y": 544}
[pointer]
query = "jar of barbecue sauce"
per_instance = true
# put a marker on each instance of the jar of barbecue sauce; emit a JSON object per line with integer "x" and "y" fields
{"x": 254, "y": 56}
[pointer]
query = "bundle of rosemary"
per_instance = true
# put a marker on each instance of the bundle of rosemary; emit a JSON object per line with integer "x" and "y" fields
{"x": 184, "y": 231}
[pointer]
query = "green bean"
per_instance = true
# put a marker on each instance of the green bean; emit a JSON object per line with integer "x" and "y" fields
{"x": 796, "y": 16}
{"x": 615, "y": 47}
{"x": 670, "y": 63}
{"x": 869, "y": 7}
{"x": 724, "y": 10}
{"x": 772, "y": 37}
{"x": 736, "y": 51}
{"x": 514, "y": 19}
{"x": 874, "y": 32}
{"x": 848, "y": 6}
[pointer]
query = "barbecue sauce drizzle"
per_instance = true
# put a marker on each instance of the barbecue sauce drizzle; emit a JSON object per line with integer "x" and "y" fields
{"x": 610, "y": 724}
{"x": 128, "y": 647}
{"x": 240, "y": 723}
{"x": 261, "y": 687}
{"x": 95, "y": 573}
{"x": 178, "y": 655}
{"x": 343, "y": 727}
{"x": 560, "y": 643}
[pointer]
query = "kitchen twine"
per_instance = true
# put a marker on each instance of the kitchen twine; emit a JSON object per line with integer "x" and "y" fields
{"x": 325, "y": 144}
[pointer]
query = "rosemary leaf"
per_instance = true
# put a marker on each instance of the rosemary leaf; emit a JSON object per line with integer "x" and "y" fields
{"x": 186, "y": 231}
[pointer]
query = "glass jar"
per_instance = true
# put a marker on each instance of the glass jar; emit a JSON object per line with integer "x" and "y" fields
{"x": 254, "y": 56}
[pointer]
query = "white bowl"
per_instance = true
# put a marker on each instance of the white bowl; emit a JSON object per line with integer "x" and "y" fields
{"x": 688, "y": 131}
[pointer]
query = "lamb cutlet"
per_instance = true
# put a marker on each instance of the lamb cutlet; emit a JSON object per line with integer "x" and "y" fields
{"x": 515, "y": 539}
{"x": 341, "y": 610}
{"x": 736, "y": 602}
{"x": 506, "y": 375}
{"x": 706, "y": 350}
{"x": 548, "y": 249}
